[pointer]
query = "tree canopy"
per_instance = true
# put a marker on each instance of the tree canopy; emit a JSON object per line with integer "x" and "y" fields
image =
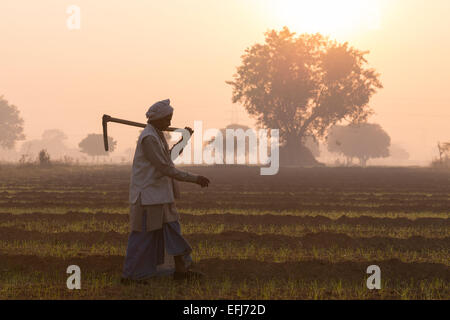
{"x": 54, "y": 135}
{"x": 53, "y": 141}
{"x": 11, "y": 125}
{"x": 302, "y": 85}
{"x": 94, "y": 147}
{"x": 362, "y": 141}
{"x": 397, "y": 152}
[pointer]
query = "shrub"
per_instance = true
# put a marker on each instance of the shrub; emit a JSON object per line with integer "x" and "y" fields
{"x": 44, "y": 158}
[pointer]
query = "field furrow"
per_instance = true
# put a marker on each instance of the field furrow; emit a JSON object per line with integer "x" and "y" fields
{"x": 303, "y": 234}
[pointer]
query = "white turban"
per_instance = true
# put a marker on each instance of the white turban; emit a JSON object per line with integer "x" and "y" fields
{"x": 159, "y": 110}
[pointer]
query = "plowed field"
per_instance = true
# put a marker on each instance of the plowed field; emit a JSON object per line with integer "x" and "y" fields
{"x": 301, "y": 234}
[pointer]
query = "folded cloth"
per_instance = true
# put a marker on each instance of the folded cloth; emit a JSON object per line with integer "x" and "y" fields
{"x": 159, "y": 110}
{"x": 156, "y": 215}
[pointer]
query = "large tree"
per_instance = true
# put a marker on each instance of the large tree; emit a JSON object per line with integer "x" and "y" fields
{"x": 93, "y": 145}
{"x": 362, "y": 141}
{"x": 11, "y": 125}
{"x": 302, "y": 85}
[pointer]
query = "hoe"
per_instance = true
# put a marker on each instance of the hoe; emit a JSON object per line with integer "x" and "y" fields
{"x": 106, "y": 119}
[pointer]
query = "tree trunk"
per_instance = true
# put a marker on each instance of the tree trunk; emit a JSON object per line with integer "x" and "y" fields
{"x": 297, "y": 155}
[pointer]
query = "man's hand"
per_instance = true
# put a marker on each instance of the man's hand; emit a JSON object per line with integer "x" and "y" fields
{"x": 202, "y": 181}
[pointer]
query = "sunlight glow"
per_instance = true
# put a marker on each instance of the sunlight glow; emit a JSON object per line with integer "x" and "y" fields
{"x": 331, "y": 17}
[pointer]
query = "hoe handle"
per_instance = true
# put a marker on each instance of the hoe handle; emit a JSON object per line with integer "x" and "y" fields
{"x": 106, "y": 118}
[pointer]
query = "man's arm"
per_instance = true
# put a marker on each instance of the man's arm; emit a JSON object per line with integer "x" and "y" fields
{"x": 152, "y": 153}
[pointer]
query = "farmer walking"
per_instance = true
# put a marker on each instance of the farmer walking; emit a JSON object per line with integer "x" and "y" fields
{"x": 155, "y": 232}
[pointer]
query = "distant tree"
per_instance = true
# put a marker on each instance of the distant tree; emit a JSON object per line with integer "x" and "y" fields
{"x": 362, "y": 141}
{"x": 93, "y": 145}
{"x": 9, "y": 155}
{"x": 11, "y": 125}
{"x": 31, "y": 147}
{"x": 54, "y": 135}
{"x": 53, "y": 141}
{"x": 397, "y": 152}
{"x": 444, "y": 151}
{"x": 302, "y": 86}
{"x": 444, "y": 156}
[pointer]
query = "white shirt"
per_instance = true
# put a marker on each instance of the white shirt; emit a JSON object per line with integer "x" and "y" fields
{"x": 153, "y": 179}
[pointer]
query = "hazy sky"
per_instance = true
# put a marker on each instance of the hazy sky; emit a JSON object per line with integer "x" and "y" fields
{"x": 129, "y": 54}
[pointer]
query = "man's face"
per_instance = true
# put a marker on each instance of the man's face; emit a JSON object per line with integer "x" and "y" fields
{"x": 163, "y": 123}
{"x": 167, "y": 121}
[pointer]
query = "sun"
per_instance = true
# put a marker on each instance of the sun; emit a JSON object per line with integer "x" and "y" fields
{"x": 329, "y": 17}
